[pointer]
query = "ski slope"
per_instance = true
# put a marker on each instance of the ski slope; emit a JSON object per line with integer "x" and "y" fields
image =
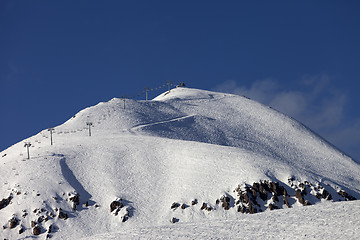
{"x": 325, "y": 221}
{"x": 183, "y": 145}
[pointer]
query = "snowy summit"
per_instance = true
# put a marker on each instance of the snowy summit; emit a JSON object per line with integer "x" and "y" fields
{"x": 188, "y": 164}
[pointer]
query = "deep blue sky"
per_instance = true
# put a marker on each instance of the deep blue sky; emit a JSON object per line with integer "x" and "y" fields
{"x": 301, "y": 57}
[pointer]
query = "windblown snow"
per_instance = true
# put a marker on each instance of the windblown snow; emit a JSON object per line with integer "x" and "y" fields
{"x": 186, "y": 160}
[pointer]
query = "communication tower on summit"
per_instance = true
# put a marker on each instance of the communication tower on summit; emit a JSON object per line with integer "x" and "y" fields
{"x": 181, "y": 84}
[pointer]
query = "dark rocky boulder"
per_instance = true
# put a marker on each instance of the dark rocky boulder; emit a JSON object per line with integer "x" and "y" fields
{"x": 275, "y": 188}
{"x": 37, "y": 230}
{"x": 304, "y": 192}
{"x": 124, "y": 218}
{"x": 263, "y": 191}
{"x": 226, "y": 205}
{"x": 50, "y": 229}
{"x": 206, "y": 207}
{"x": 6, "y": 201}
{"x": 346, "y": 195}
{"x": 174, "y": 220}
{"x": 256, "y": 186}
{"x": 265, "y": 185}
{"x": 21, "y": 230}
{"x": 63, "y": 215}
{"x": 115, "y": 205}
{"x": 273, "y": 206}
{"x": 299, "y": 196}
{"x": 225, "y": 202}
{"x": 286, "y": 202}
{"x": 40, "y": 219}
{"x": 13, "y": 222}
{"x": 254, "y": 193}
{"x": 241, "y": 209}
{"x": 75, "y": 199}
{"x": 318, "y": 195}
{"x": 175, "y": 205}
{"x": 326, "y": 195}
{"x": 285, "y": 192}
{"x": 203, "y": 206}
{"x": 252, "y": 209}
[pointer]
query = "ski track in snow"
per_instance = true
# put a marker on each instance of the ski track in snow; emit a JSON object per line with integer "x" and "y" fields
{"x": 159, "y": 122}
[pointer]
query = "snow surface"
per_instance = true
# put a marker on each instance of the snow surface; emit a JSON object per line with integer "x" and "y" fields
{"x": 325, "y": 221}
{"x": 185, "y": 144}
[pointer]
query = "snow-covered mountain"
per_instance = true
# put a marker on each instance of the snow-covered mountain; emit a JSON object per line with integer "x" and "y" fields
{"x": 185, "y": 157}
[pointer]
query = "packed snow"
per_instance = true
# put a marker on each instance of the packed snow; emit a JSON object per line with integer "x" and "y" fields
{"x": 325, "y": 221}
{"x": 185, "y": 144}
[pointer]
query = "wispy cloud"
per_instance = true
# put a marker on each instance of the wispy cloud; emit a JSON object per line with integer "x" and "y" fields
{"x": 316, "y": 102}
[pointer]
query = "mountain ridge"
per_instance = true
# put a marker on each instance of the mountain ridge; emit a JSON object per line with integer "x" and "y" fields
{"x": 182, "y": 146}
